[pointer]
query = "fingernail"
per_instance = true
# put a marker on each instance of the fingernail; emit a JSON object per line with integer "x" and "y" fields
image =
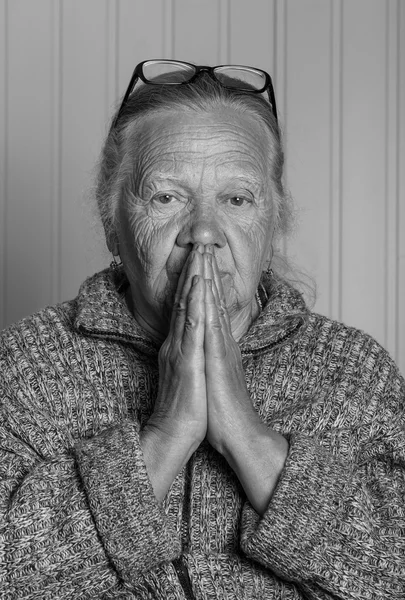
{"x": 209, "y": 283}
{"x": 209, "y": 258}
{"x": 195, "y": 280}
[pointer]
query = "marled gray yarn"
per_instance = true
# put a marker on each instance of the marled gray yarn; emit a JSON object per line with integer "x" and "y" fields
{"x": 78, "y": 516}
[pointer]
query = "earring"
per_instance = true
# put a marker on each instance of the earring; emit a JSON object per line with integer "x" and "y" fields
{"x": 115, "y": 265}
{"x": 258, "y": 301}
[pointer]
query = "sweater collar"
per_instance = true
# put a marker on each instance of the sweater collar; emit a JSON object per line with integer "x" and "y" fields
{"x": 102, "y": 312}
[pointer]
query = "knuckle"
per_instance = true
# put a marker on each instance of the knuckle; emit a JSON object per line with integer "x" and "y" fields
{"x": 191, "y": 323}
{"x": 179, "y": 307}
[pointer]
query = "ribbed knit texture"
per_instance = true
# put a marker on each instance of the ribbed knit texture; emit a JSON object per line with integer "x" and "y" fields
{"x": 78, "y": 518}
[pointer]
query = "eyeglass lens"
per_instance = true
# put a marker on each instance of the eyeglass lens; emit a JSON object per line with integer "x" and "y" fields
{"x": 229, "y": 74}
{"x": 168, "y": 72}
{"x": 172, "y": 72}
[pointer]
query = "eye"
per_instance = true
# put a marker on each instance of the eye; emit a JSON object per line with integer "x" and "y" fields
{"x": 239, "y": 200}
{"x": 166, "y": 204}
{"x": 164, "y": 198}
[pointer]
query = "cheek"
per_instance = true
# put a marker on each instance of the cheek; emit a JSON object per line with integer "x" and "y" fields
{"x": 149, "y": 241}
{"x": 254, "y": 248}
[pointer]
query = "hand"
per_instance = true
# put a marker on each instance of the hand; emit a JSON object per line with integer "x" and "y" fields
{"x": 202, "y": 392}
{"x": 179, "y": 421}
{"x": 230, "y": 411}
{"x": 180, "y": 407}
{"x": 256, "y": 453}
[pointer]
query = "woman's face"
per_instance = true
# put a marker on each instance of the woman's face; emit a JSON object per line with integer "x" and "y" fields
{"x": 198, "y": 177}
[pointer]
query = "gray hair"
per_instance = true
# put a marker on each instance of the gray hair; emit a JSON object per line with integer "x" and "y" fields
{"x": 116, "y": 168}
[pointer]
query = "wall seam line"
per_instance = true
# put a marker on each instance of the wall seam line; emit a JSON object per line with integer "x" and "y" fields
{"x": 111, "y": 61}
{"x": 280, "y": 81}
{"x": 173, "y": 27}
{"x": 397, "y": 174}
{"x": 117, "y": 50}
{"x": 331, "y": 157}
{"x": 335, "y": 223}
{"x": 390, "y": 183}
{"x": 386, "y": 176}
{"x": 341, "y": 173}
{"x": 228, "y": 31}
{"x": 60, "y": 137}
{"x": 168, "y": 28}
{"x": 3, "y": 315}
{"x": 55, "y": 148}
{"x": 223, "y": 31}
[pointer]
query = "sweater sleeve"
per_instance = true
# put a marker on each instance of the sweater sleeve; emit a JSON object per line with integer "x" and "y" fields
{"x": 335, "y": 526}
{"x": 84, "y": 519}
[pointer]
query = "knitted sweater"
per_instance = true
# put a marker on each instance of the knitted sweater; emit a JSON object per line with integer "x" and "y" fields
{"x": 78, "y": 517}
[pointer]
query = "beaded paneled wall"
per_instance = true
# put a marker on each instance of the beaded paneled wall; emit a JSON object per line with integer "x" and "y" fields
{"x": 339, "y": 74}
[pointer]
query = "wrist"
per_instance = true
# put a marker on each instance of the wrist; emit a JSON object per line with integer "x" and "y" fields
{"x": 258, "y": 459}
{"x": 165, "y": 455}
{"x": 173, "y": 434}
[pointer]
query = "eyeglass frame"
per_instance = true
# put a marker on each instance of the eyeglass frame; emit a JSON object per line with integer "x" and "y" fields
{"x": 138, "y": 74}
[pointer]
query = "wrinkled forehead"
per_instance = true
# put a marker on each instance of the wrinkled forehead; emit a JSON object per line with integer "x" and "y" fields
{"x": 224, "y": 140}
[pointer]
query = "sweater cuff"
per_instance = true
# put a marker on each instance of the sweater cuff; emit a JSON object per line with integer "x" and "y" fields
{"x": 289, "y": 538}
{"x": 131, "y": 523}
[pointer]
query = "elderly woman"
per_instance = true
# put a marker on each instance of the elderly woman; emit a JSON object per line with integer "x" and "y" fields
{"x": 186, "y": 427}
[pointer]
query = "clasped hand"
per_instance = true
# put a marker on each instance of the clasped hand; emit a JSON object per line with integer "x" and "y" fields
{"x": 202, "y": 389}
{"x": 203, "y": 393}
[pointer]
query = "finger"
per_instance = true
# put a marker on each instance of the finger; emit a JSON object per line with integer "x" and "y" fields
{"x": 222, "y": 311}
{"x": 179, "y": 310}
{"x": 214, "y": 337}
{"x": 192, "y": 266}
{"x": 196, "y": 266}
{"x": 187, "y": 270}
{"x": 211, "y": 268}
{"x": 207, "y": 266}
{"x": 209, "y": 274}
{"x": 193, "y": 329}
{"x": 218, "y": 280}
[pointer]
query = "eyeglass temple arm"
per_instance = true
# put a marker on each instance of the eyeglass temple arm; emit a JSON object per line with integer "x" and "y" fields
{"x": 272, "y": 99}
{"x": 129, "y": 91}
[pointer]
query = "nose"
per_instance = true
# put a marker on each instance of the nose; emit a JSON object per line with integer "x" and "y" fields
{"x": 202, "y": 226}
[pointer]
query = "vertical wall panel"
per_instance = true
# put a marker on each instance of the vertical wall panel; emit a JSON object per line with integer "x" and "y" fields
{"x": 280, "y": 81}
{"x": 3, "y": 156}
{"x": 83, "y": 128}
{"x": 168, "y": 29}
{"x": 308, "y": 145}
{"x": 197, "y": 30}
{"x": 111, "y": 60}
{"x": 391, "y": 180}
{"x": 335, "y": 199}
{"x": 401, "y": 188}
{"x": 64, "y": 63}
{"x": 280, "y": 57}
{"x": 224, "y": 51}
{"x": 29, "y": 133}
{"x": 55, "y": 147}
{"x": 141, "y": 35}
{"x": 257, "y": 50}
{"x": 364, "y": 110}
